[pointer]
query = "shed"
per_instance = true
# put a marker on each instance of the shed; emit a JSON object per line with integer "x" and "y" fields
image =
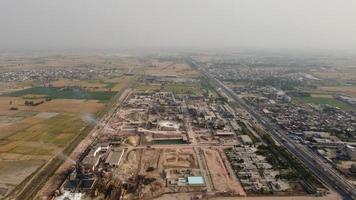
{"x": 196, "y": 180}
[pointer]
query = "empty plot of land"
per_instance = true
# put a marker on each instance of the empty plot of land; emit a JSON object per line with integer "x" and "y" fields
{"x": 149, "y": 162}
{"x": 176, "y": 158}
{"x": 182, "y": 88}
{"x": 152, "y": 169}
{"x": 222, "y": 180}
{"x": 148, "y": 87}
{"x": 171, "y": 69}
{"x": 130, "y": 164}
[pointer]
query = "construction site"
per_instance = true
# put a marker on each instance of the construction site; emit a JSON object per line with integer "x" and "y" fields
{"x": 154, "y": 144}
{"x": 161, "y": 142}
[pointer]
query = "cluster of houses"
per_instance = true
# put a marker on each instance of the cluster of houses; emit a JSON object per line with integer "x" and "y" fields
{"x": 253, "y": 171}
{"x": 82, "y": 72}
{"x": 311, "y": 118}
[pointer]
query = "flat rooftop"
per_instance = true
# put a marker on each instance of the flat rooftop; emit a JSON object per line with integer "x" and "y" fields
{"x": 196, "y": 180}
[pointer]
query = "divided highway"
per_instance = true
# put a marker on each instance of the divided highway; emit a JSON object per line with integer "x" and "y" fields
{"x": 325, "y": 173}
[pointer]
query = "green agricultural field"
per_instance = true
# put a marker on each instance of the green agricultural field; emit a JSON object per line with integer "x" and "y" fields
{"x": 109, "y": 84}
{"x": 24, "y": 151}
{"x": 44, "y": 137}
{"x": 323, "y": 101}
{"x": 59, "y": 130}
{"x": 65, "y": 93}
{"x": 106, "y": 84}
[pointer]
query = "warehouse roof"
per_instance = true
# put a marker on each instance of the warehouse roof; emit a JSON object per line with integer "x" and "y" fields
{"x": 195, "y": 180}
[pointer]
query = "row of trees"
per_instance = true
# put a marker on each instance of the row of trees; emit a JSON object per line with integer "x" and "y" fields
{"x": 36, "y": 103}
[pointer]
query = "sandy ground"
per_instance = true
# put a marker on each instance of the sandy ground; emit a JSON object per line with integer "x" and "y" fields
{"x": 151, "y": 158}
{"x": 184, "y": 157}
{"x": 222, "y": 181}
{"x": 130, "y": 164}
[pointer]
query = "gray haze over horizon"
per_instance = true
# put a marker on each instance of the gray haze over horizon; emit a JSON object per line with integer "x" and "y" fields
{"x": 262, "y": 24}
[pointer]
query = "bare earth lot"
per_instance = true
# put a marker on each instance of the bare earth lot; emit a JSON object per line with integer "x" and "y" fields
{"x": 222, "y": 181}
{"x": 171, "y": 69}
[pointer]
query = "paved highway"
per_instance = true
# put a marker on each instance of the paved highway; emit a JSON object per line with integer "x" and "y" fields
{"x": 326, "y": 174}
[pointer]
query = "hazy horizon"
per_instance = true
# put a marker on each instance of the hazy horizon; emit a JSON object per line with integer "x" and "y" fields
{"x": 183, "y": 24}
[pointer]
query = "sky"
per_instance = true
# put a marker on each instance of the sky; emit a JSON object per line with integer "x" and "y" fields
{"x": 260, "y": 24}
